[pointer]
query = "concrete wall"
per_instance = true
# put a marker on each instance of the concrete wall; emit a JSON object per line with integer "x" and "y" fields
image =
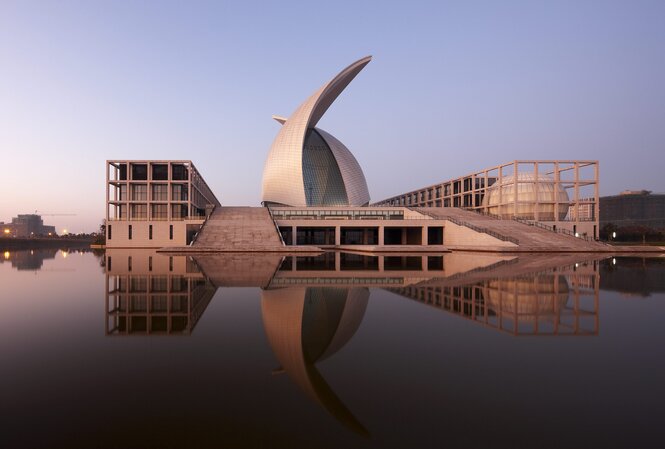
{"x": 455, "y": 235}
{"x": 143, "y": 260}
{"x": 140, "y": 233}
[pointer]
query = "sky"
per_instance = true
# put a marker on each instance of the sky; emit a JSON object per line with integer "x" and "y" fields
{"x": 453, "y": 87}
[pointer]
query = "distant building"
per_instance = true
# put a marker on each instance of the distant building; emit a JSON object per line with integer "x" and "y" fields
{"x": 153, "y": 204}
{"x": 27, "y": 225}
{"x": 633, "y": 208}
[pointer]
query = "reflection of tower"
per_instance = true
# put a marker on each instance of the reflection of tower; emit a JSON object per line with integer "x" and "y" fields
{"x": 306, "y": 325}
{"x": 152, "y": 294}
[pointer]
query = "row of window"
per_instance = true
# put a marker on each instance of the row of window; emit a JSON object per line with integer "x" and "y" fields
{"x": 160, "y": 172}
{"x": 131, "y": 232}
{"x": 159, "y": 192}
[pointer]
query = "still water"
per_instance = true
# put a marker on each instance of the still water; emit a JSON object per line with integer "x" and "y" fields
{"x": 133, "y": 349}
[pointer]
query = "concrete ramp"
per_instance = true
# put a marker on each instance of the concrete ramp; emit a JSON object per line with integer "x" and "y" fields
{"x": 239, "y": 229}
{"x": 525, "y": 237}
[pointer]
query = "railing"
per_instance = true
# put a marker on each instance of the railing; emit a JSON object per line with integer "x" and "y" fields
{"x": 323, "y": 214}
{"x": 480, "y": 229}
{"x": 473, "y": 227}
{"x": 205, "y": 220}
{"x": 281, "y": 239}
{"x": 538, "y": 224}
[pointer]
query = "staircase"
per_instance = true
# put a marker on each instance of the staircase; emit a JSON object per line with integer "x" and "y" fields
{"x": 239, "y": 229}
{"x": 528, "y": 238}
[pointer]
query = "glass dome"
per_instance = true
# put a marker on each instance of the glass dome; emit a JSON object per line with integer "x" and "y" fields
{"x": 533, "y": 194}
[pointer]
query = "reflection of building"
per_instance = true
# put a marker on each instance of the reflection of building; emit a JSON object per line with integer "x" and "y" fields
{"x": 153, "y": 204}
{"x": 307, "y": 166}
{"x": 641, "y": 208}
{"x": 29, "y": 259}
{"x": 558, "y": 194}
{"x": 638, "y": 276}
{"x": 306, "y": 325}
{"x": 27, "y": 225}
{"x": 151, "y": 294}
{"x": 556, "y": 302}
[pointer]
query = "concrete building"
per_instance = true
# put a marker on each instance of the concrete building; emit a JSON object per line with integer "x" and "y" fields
{"x": 152, "y": 204}
{"x": 633, "y": 208}
{"x": 561, "y": 195}
{"x": 27, "y": 225}
{"x": 306, "y": 166}
{"x": 317, "y": 199}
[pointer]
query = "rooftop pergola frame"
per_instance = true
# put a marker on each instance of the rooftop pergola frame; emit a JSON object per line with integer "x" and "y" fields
{"x": 579, "y": 178}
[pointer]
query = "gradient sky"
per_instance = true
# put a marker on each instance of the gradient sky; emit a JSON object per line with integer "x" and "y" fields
{"x": 454, "y": 87}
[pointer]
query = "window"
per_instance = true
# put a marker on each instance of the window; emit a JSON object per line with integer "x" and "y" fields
{"x": 130, "y": 233}
{"x": 110, "y": 233}
{"x": 150, "y": 233}
{"x": 139, "y": 192}
{"x": 122, "y": 192}
{"x": 170, "y": 233}
{"x": 140, "y": 172}
{"x": 179, "y": 172}
{"x": 108, "y": 263}
{"x": 160, "y": 172}
{"x": 160, "y": 192}
{"x": 139, "y": 211}
{"x": 150, "y": 263}
{"x": 179, "y": 192}
{"x": 178, "y": 211}
{"x": 159, "y": 212}
{"x": 129, "y": 259}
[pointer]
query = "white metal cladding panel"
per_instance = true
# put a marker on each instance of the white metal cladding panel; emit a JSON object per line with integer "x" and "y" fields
{"x": 282, "y": 173}
{"x": 352, "y": 174}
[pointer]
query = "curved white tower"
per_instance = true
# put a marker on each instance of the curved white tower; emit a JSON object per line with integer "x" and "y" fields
{"x": 307, "y": 166}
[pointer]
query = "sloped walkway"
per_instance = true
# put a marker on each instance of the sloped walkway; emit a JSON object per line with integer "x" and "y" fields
{"x": 528, "y": 238}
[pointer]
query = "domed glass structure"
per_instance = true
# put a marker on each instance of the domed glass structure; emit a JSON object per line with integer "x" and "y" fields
{"x": 306, "y": 166}
{"x": 533, "y": 194}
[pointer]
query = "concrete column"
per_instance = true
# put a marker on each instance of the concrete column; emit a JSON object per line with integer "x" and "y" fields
{"x": 294, "y": 233}
{"x": 403, "y": 239}
{"x": 338, "y": 235}
{"x": 381, "y": 241}
{"x": 338, "y": 261}
{"x": 381, "y": 261}
{"x": 424, "y": 235}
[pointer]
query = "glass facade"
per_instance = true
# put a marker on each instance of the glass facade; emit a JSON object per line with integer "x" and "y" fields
{"x": 323, "y": 181}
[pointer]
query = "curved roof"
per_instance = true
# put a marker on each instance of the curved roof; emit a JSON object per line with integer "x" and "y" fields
{"x": 283, "y": 174}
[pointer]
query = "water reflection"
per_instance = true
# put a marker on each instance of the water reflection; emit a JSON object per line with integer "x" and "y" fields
{"x": 28, "y": 259}
{"x": 311, "y": 306}
{"x": 150, "y": 294}
{"x": 633, "y": 276}
{"x": 306, "y": 325}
